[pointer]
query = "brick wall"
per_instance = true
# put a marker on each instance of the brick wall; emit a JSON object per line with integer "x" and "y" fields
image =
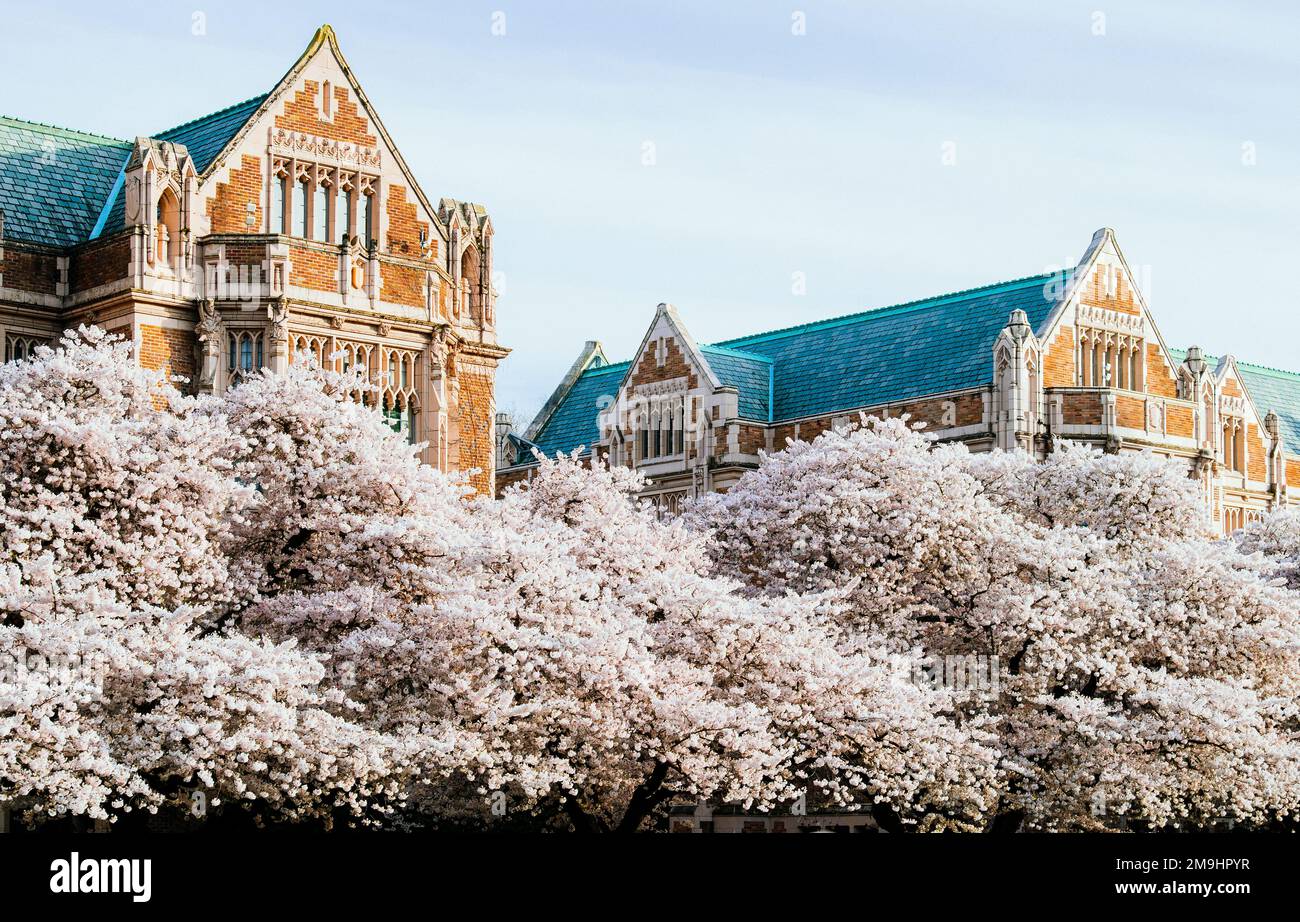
{"x": 510, "y": 478}
{"x": 404, "y": 226}
{"x": 477, "y": 430}
{"x": 675, "y": 365}
{"x": 1130, "y": 412}
{"x": 30, "y": 270}
{"x": 1081, "y": 409}
{"x": 228, "y": 206}
{"x": 167, "y": 350}
{"x": 313, "y": 269}
{"x": 302, "y": 113}
{"x": 1257, "y": 464}
{"x": 1124, "y": 299}
{"x": 402, "y": 285}
{"x": 1059, "y": 359}
{"x": 245, "y": 254}
{"x": 967, "y": 410}
{"x": 753, "y": 439}
{"x": 100, "y": 262}
{"x": 1293, "y": 472}
{"x": 1178, "y": 421}
{"x": 1160, "y": 377}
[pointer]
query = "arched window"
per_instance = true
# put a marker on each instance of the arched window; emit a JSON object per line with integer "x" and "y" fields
{"x": 408, "y": 421}
{"x": 469, "y": 273}
{"x": 393, "y": 412}
{"x": 18, "y": 348}
{"x": 169, "y": 226}
{"x": 245, "y": 354}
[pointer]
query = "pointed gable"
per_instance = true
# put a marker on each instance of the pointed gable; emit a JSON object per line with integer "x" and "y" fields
{"x": 1103, "y": 304}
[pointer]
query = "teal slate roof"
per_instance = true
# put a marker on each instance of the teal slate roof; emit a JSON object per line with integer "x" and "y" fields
{"x": 750, "y": 374}
{"x": 54, "y": 182}
{"x": 867, "y": 359}
{"x": 204, "y": 138}
{"x": 897, "y": 353}
{"x": 575, "y": 421}
{"x": 1270, "y": 389}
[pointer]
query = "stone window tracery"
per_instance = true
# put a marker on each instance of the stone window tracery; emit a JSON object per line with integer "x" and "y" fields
{"x": 661, "y": 428}
{"x": 317, "y": 201}
{"x": 244, "y": 354}
{"x": 18, "y": 348}
{"x": 1111, "y": 359}
{"x": 400, "y": 403}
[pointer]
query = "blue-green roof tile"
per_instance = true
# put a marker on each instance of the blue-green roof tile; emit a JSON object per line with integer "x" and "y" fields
{"x": 54, "y": 183}
{"x": 896, "y": 353}
{"x": 205, "y": 137}
{"x": 750, "y": 374}
{"x": 575, "y": 422}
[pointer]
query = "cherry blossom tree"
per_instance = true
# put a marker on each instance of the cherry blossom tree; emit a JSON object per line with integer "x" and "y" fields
{"x": 125, "y": 484}
{"x": 569, "y": 659}
{"x": 118, "y": 690}
{"x": 1145, "y": 673}
{"x": 266, "y": 596}
{"x": 1277, "y": 538}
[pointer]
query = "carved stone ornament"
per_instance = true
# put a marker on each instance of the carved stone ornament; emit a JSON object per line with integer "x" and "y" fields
{"x": 278, "y": 312}
{"x": 209, "y": 333}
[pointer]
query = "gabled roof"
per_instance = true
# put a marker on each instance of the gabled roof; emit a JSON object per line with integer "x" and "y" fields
{"x": 206, "y": 137}
{"x": 896, "y": 353}
{"x": 575, "y": 421}
{"x": 1270, "y": 389}
{"x": 867, "y": 359}
{"x": 54, "y": 183}
{"x": 78, "y": 184}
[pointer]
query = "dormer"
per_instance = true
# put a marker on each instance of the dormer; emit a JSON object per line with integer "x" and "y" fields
{"x": 162, "y": 201}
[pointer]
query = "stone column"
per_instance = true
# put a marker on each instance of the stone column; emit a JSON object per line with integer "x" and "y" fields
{"x": 278, "y": 334}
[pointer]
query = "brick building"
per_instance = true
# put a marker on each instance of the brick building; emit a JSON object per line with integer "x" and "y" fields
{"x": 282, "y": 225}
{"x": 1074, "y": 355}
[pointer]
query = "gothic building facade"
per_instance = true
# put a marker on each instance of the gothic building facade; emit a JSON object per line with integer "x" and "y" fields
{"x": 283, "y": 226}
{"x": 1071, "y": 355}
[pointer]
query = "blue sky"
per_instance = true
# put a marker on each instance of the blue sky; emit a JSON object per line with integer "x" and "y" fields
{"x": 774, "y": 153}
